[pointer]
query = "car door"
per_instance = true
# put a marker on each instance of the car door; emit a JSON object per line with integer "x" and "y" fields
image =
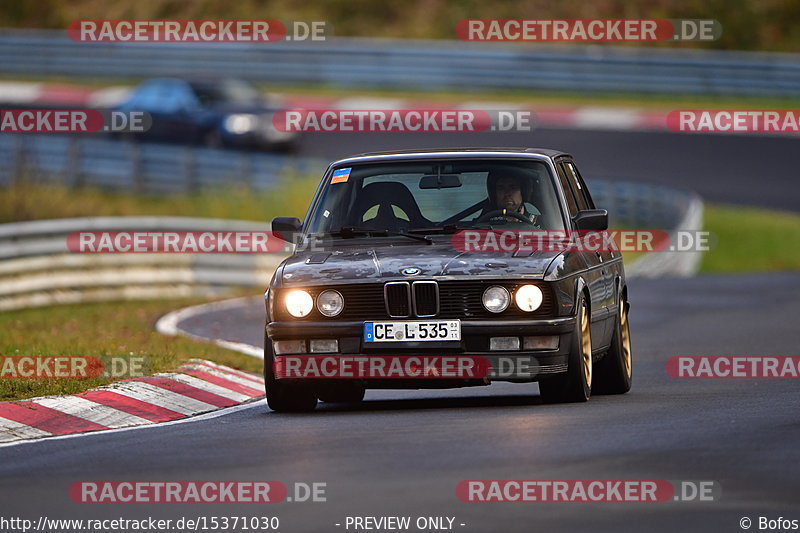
{"x": 181, "y": 113}
{"x": 606, "y": 255}
{"x": 596, "y": 275}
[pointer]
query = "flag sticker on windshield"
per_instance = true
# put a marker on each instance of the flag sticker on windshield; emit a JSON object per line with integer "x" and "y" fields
{"x": 340, "y": 175}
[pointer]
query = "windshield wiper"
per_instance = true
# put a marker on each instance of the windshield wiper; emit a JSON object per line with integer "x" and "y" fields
{"x": 353, "y": 231}
{"x": 451, "y": 228}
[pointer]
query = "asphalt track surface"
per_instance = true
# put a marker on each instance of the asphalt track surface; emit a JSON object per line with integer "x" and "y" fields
{"x": 403, "y": 452}
{"x": 728, "y": 169}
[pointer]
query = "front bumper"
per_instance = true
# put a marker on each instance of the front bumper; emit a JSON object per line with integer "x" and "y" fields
{"x": 507, "y": 365}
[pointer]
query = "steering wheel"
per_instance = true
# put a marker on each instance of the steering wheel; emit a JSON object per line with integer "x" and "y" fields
{"x": 495, "y": 212}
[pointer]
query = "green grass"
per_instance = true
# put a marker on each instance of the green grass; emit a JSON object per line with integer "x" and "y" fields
{"x": 751, "y": 240}
{"x": 103, "y": 330}
{"x": 290, "y": 197}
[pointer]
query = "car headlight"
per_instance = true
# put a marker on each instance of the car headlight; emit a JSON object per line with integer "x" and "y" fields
{"x": 241, "y": 123}
{"x": 299, "y": 303}
{"x": 496, "y": 299}
{"x": 330, "y": 303}
{"x": 528, "y": 298}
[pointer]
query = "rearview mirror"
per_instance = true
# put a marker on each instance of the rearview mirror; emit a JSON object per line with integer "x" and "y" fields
{"x": 285, "y": 227}
{"x": 591, "y": 220}
{"x": 439, "y": 181}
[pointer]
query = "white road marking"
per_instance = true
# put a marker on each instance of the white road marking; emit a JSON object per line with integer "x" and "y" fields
{"x": 167, "y": 399}
{"x": 222, "y": 374}
{"x": 207, "y": 386}
{"x": 605, "y": 118}
{"x": 258, "y": 380}
{"x": 200, "y": 418}
{"x": 11, "y": 431}
{"x": 19, "y": 92}
{"x": 91, "y": 411}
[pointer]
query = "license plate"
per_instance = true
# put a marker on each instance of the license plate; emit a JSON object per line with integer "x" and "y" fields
{"x": 412, "y": 331}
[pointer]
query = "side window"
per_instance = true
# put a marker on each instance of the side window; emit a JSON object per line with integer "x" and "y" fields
{"x": 582, "y": 194}
{"x": 568, "y": 193}
{"x": 185, "y": 98}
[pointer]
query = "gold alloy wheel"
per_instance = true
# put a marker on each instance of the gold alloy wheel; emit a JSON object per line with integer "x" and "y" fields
{"x": 625, "y": 333}
{"x": 586, "y": 345}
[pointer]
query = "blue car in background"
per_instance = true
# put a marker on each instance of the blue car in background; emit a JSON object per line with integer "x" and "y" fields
{"x": 218, "y": 113}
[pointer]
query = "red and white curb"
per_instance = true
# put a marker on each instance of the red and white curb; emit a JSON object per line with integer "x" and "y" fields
{"x": 197, "y": 387}
{"x": 573, "y": 117}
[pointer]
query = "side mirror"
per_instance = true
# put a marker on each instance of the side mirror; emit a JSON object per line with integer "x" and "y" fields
{"x": 286, "y": 227}
{"x": 591, "y": 220}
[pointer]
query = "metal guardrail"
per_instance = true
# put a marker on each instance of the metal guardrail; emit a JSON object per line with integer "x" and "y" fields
{"x": 141, "y": 167}
{"x": 645, "y": 206}
{"x": 419, "y": 65}
{"x": 37, "y": 269}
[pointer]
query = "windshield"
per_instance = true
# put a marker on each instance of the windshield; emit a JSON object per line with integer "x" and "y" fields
{"x": 438, "y": 196}
{"x": 226, "y": 91}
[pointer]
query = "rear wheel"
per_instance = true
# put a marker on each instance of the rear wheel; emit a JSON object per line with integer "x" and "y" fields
{"x": 285, "y": 397}
{"x": 614, "y": 371}
{"x": 576, "y": 384}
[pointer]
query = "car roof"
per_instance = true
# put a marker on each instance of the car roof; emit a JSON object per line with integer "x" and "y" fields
{"x": 450, "y": 153}
{"x": 196, "y": 80}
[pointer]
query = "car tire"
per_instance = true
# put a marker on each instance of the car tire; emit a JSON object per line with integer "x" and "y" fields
{"x": 575, "y": 385}
{"x": 614, "y": 372}
{"x": 285, "y": 397}
{"x": 342, "y": 393}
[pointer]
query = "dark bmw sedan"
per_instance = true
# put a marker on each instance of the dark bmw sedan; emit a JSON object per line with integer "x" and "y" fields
{"x": 403, "y": 277}
{"x": 217, "y": 113}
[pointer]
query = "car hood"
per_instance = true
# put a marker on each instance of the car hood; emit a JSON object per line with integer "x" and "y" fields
{"x": 388, "y": 262}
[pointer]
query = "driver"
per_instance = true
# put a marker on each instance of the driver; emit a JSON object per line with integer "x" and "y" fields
{"x": 509, "y": 192}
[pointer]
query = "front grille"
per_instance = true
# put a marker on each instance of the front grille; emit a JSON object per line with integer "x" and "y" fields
{"x": 398, "y": 298}
{"x": 426, "y": 298}
{"x": 455, "y": 299}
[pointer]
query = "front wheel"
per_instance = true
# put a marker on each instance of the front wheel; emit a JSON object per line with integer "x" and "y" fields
{"x": 614, "y": 371}
{"x": 576, "y": 384}
{"x": 285, "y": 397}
